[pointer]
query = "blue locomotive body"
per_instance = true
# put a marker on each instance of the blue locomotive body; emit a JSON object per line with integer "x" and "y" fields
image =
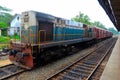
{"x": 67, "y": 32}
{"x": 40, "y": 28}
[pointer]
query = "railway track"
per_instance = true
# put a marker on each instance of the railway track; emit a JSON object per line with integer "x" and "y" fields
{"x": 84, "y": 68}
{"x": 97, "y": 74}
{"x": 9, "y": 71}
{"x": 2, "y": 54}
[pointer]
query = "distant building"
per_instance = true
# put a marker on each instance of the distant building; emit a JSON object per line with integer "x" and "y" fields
{"x": 15, "y": 25}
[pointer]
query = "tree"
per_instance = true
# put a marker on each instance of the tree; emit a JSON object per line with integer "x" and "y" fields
{"x": 98, "y": 24}
{"x": 4, "y": 9}
{"x": 5, "y": 17}
{"x": 82, "y": 18}
{"x": 85, "y": 19}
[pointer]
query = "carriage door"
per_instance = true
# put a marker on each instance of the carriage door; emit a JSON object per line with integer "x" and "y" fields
{"x": 86, "y": 30}
{"x": 46, "y": 31}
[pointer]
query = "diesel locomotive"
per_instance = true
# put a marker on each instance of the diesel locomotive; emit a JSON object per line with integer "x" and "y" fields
{"x": 44, "y": 35}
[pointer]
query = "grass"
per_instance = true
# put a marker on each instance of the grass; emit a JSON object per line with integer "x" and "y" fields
{"x": 15, "y": 37}
{"x": 3, "y": 46}
{"x": 4, "y": 40}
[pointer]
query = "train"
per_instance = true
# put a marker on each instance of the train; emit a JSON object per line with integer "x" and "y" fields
{"x": 44, "y": 35}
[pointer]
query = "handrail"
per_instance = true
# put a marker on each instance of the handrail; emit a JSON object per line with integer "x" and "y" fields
{"x": 40, "y": 38}
{"x": 30, "y": 35}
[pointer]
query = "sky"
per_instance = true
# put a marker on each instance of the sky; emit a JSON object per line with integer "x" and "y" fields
{"x": 61, "y": 8}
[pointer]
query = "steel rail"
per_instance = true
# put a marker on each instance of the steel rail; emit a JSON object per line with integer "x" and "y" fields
{"x": 98, "y": 72}
{"x": 62, "y": 70}
{"x": 8, "y": 73}
{"x": 108, "y": 50}
{"x": 6, "y": 65}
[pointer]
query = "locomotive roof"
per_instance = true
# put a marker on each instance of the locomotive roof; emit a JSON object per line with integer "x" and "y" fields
{"x": 50, "y": 18}
{"x": 45, "y": 15}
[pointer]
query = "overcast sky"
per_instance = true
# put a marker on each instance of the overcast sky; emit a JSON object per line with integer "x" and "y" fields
{"x": 61, "y": 8}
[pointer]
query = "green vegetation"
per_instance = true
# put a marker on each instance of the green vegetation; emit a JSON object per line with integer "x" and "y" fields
{"x": 98, "y": 24}
{"x": 3, "y": 46}
{"x": 85, "y": 19}
{"x": 3, "y": 25}
{"x": 5, "y": 17}
{"x": 82, "y": 18}
{"x": 15, "y": 36}
{"x": 4, "y": 42}
{"x": 4, "y": 39}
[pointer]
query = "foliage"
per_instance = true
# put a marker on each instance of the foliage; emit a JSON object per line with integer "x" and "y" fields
{"x": 3, "y": 25}
{"x": 113, "y": 31}
{"x": 85, "y": 19}
{"x": 4, "y": 42}
{"x": 82, "y": 18}
{"x": 3, "y": 46}
{"x": 4, "y": 9}
{"x": 4, "y": 39}
{"x": 15, "y": 37}
{"x": 98, "y": 24}
{"x": 4, "y": 31}
{"x": 5, "y": 17}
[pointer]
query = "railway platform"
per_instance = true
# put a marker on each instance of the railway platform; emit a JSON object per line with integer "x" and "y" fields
{"x": 112, "y": 69}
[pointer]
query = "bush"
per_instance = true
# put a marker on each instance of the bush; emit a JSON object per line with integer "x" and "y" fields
{"x": 15, "y": 37}
{"x": 4, "y": 39}
{"x": 3, "y": 46}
